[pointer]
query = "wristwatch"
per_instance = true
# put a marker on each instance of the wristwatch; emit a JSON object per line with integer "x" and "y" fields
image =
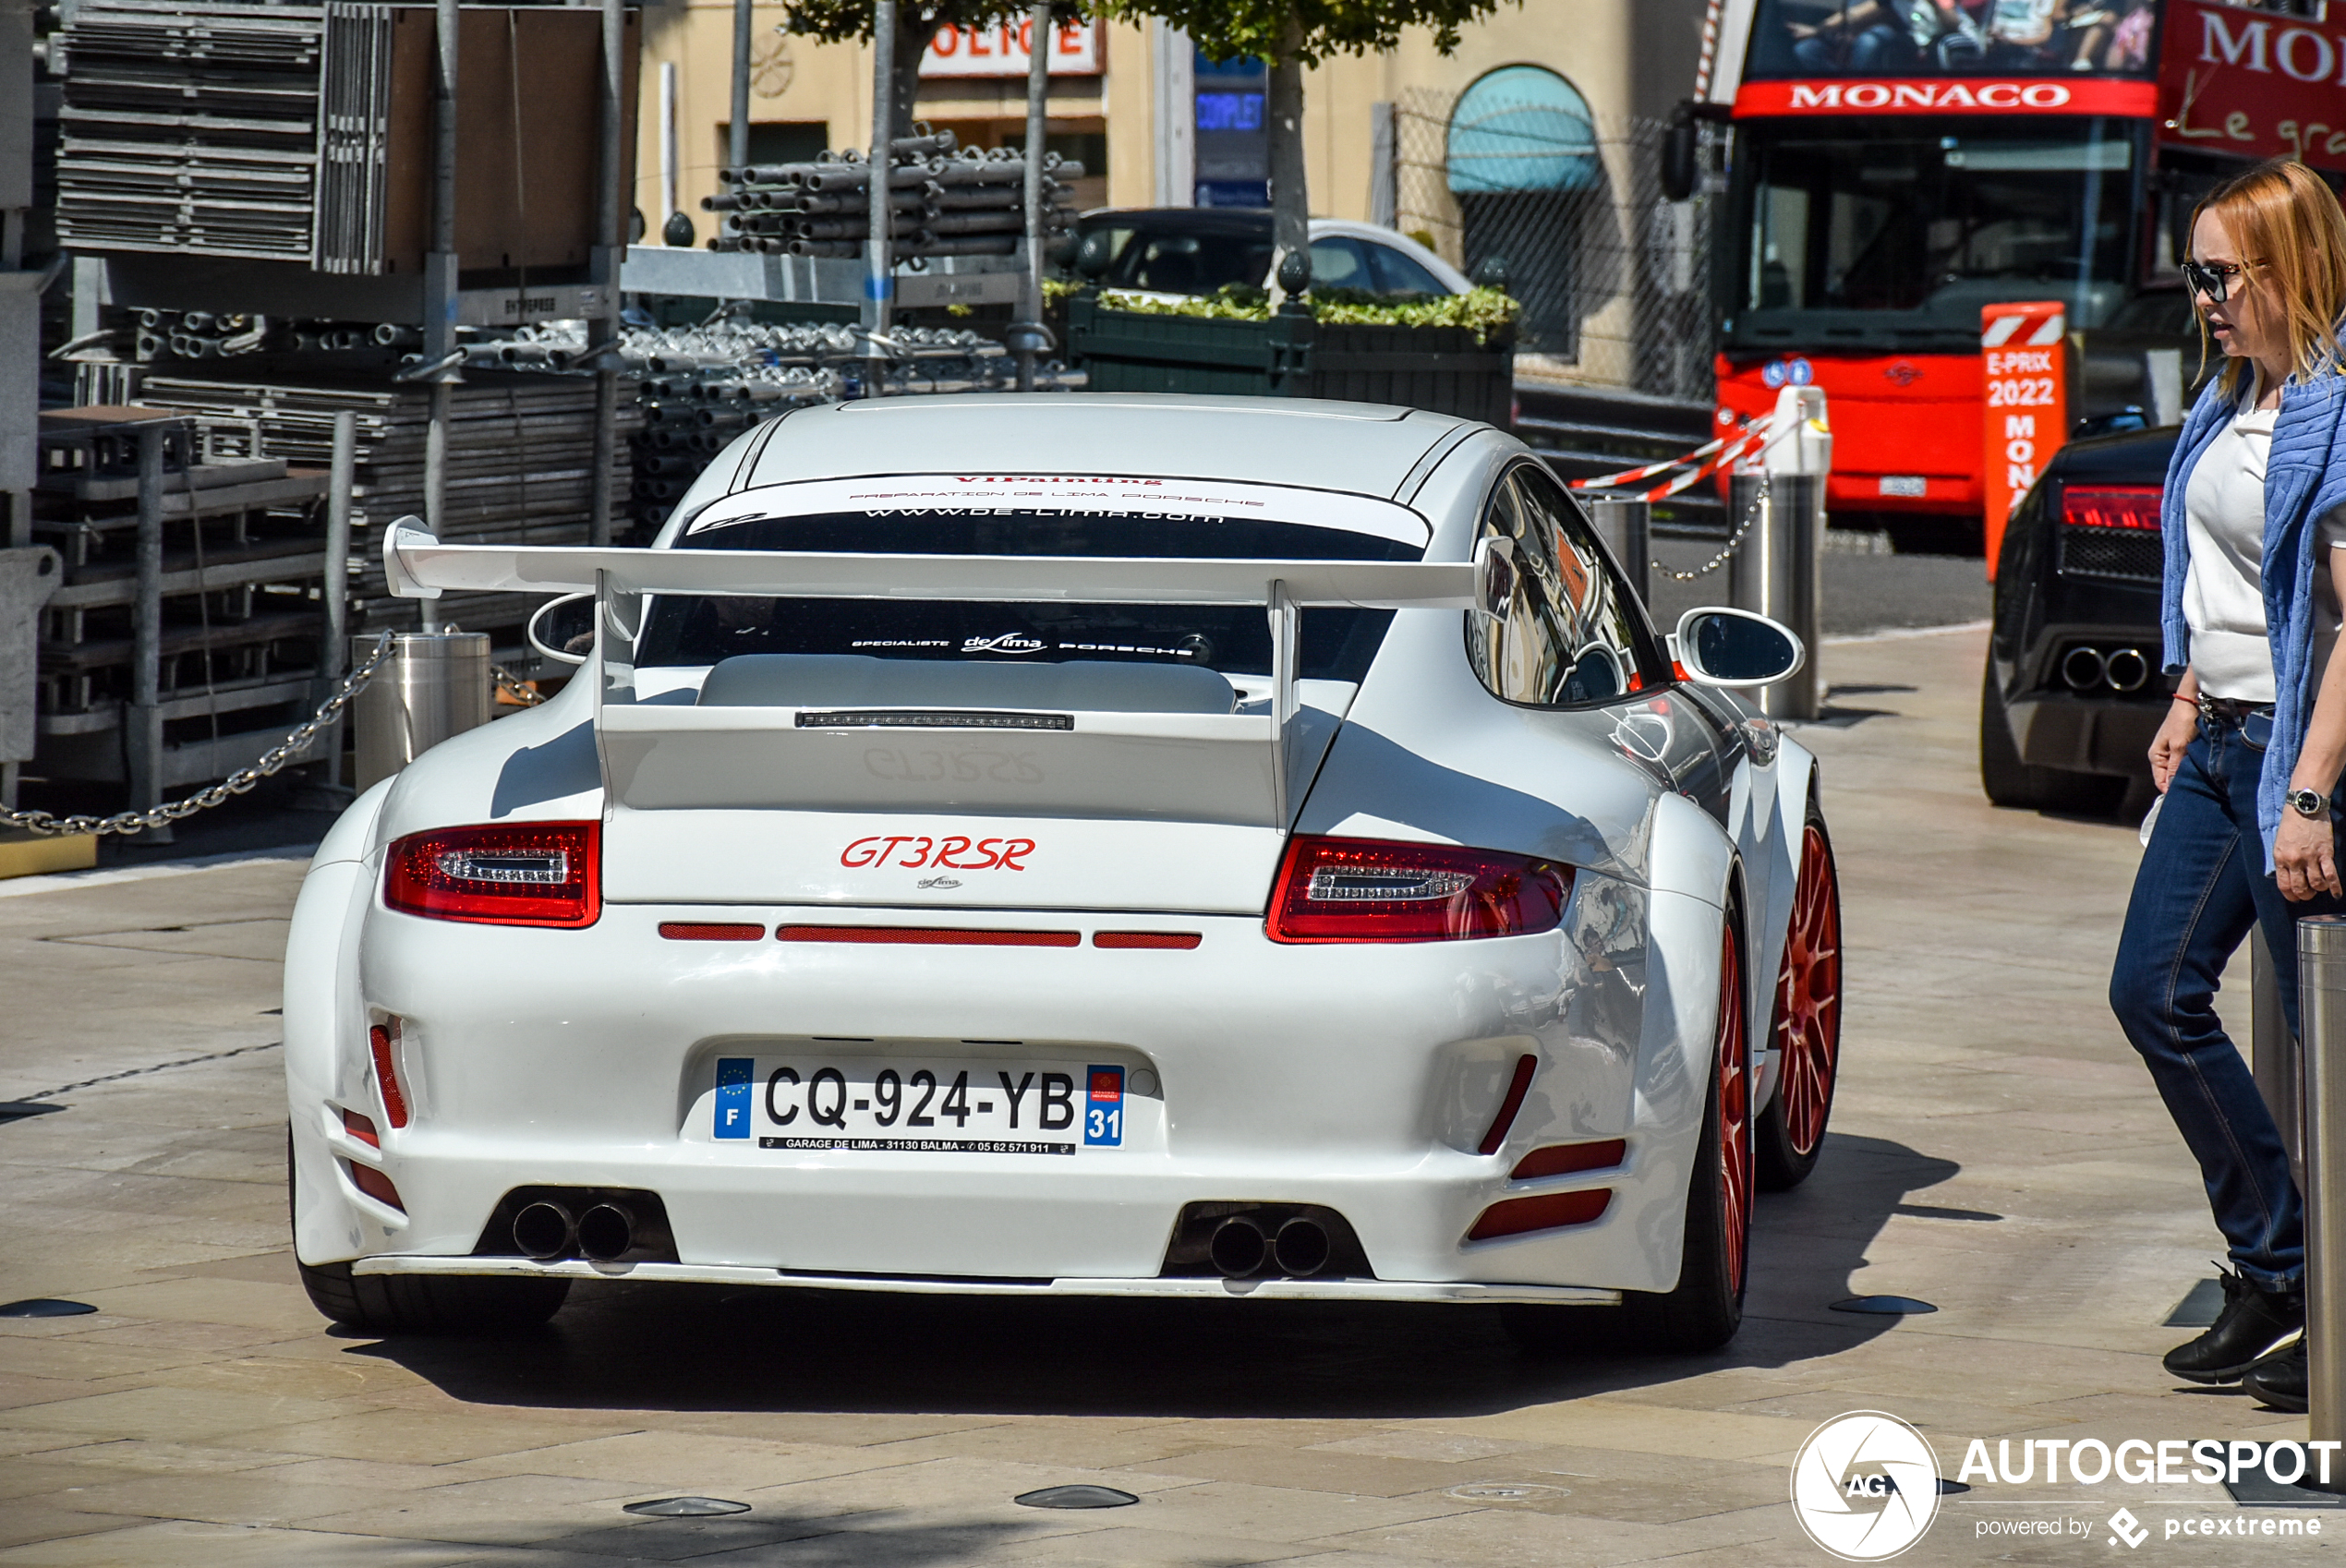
{"x": 2309, "y": 802}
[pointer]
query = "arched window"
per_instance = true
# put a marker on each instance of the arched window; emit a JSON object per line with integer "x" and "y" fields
{"x": 1522, "y": 162}
{"x": 1521, "y": 128}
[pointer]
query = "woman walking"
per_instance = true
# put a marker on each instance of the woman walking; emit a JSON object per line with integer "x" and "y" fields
{"x": 2250, "y": 756}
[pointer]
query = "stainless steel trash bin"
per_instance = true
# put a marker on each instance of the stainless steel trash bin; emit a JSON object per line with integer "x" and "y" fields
{"x": 434, "y": 684}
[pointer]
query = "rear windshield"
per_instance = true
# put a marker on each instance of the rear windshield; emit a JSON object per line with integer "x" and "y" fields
{"x": 1337, "y": 645}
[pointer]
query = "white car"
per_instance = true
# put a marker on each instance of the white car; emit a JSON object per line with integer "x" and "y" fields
{"x": 1094, "y": 846}
{"x": 1166, "y": 252}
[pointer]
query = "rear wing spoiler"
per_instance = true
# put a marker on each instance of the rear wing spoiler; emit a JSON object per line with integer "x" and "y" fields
{"x": 419, "y": 566}
{"x": 1234, "y": 768}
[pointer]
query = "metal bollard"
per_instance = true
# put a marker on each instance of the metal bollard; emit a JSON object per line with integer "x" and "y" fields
{"x": 1774, "y": 572}
{"x": 435, "y": 684}
{"x": 1628, "y": 528}
{"x": 2321, "y": 1005}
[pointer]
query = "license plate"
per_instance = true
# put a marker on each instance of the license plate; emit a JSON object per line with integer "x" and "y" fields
{"x": 894, "y": 1105}
{"x": 1911, "y": 485}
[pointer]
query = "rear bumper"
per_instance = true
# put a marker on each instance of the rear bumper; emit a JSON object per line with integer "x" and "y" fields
{"x": 1461, "y": 1293}
{"x": 2086, "y": 734}
{"x": 1360, "y": 1078}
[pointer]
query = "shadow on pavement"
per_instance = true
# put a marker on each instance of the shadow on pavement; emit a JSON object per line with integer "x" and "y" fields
{"x": 673, "y": 1347}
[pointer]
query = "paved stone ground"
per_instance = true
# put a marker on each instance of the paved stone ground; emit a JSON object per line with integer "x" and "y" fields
{"x": 1996, "y": 1151}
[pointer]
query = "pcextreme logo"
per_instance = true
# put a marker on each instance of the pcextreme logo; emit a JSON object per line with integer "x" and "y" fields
{"x": 1865, "y": 1486}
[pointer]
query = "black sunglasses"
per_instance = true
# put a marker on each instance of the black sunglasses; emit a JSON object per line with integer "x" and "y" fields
{"x": 2215, "y": 282}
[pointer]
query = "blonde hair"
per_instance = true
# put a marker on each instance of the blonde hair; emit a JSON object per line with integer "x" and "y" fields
{"x": 2290, "y": 232}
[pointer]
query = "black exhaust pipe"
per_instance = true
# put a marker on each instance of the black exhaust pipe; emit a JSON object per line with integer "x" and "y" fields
{"x": 2126, "y": 671}
{"x": 1238, "y": 1247}
{"x": 543, "y": 1231}
{"x": 606, "y": 1232}
{"x": 1302, "y": 1249}
{"x": 2083, "y": 669}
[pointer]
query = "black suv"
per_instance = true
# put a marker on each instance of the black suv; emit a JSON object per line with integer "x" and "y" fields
{"x": 2074, "y": 692}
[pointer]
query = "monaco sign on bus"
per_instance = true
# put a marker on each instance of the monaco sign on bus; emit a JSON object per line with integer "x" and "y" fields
{"x": 2026, "y": 418}
{"x": 1927, "y": 95}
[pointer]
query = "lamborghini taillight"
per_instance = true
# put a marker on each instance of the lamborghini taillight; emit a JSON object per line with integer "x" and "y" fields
{"x": 1368, "y": 890}
{"x": 521, "y": 874}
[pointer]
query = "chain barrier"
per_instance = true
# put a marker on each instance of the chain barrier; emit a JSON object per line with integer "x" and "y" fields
{"x": 272, "y": 761}
{"x": 514, "y": 687}
{"x": 1750, "y": 514}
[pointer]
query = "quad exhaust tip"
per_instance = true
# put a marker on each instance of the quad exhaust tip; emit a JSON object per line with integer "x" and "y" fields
{"x": 1300, "y": 1250}
{"x": 543, "y": 1232}
{"x": 1239, "y": 1248}
{"x": 606, "y": 1232}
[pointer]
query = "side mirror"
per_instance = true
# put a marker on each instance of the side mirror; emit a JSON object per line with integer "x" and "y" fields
{"x": 1735, "y": 647}
{"x": 1494, "y": 577}
{"x": 564, "y": 629}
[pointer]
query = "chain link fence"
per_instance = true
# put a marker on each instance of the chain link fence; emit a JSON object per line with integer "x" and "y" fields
{"x": 1614, "y": 279}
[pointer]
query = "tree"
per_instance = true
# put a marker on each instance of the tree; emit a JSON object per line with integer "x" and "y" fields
{"x": 1292, "y": 34}
{"x": 839, "y": 21}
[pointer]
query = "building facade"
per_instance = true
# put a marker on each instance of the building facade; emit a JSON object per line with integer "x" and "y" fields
{"x": 1526, "y": 152}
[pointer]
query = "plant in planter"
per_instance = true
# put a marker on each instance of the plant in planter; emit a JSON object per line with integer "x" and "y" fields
{"x": 1486, "y": 312}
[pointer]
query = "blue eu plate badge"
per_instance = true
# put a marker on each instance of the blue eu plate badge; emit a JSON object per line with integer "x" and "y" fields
{"x": 733, "y": 1074}
{"x": 1103, "y": 1107}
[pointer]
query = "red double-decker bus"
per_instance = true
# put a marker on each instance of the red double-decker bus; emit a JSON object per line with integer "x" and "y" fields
{"x": 1897, "y": 164}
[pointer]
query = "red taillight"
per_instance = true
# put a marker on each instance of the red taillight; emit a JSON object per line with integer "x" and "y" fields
{"x": 380, "y": 1041}
{"x": 1551, "y": 1212}
{"x": 1563, "y": 1159}
{"x": 2111, "y": 506}
{"x": 1365, "y": 890}
{"x": 528, "y": 874}
{"x": 362, "y": 1128}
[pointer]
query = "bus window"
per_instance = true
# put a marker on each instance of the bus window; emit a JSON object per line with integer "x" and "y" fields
{"x": 1933, "y": 220}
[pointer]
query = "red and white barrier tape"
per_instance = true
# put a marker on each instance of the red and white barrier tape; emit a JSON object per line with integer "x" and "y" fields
{"x": 1718, "y": 454}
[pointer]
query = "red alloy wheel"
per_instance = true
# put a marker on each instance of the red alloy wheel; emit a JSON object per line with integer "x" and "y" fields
{"x": 1734, "y": 1113}
{"x": 1807, "y": 1022}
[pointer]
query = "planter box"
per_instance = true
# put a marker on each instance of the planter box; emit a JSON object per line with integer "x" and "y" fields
{"x": 1439, "y": 369}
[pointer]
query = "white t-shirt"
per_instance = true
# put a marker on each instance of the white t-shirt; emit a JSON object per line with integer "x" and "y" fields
{"x": 2223, "y": 589}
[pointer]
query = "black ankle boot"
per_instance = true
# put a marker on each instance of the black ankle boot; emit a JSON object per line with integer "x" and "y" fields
{"x": 2254, "y": 1323}
{"x": 2279, "y": 1379}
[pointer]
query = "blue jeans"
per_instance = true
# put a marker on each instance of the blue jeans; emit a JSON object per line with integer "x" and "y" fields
{"x": 2201, "y": 884}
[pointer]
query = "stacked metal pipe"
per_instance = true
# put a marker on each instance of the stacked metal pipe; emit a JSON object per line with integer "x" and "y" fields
{"x": 699, "y": 387}
{"x": 942, "y": 201}
{"x": 189, "y": 133}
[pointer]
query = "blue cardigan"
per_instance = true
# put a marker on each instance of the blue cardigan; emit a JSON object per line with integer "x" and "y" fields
{"x": 2304, "y": 478}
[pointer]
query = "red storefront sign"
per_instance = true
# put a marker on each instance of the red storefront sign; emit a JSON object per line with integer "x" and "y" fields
{"x": 2025, "y": 360}
{"x": 1001, "y": 50}
{"x": 2255, "y": 84}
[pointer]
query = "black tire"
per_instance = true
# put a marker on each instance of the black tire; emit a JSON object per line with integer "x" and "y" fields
{"x": 2020, "y": 786}
{"x": 1784, "y": 1153}
{"x": 390, "y": 1304}
{"x": 1706, "y": 1308}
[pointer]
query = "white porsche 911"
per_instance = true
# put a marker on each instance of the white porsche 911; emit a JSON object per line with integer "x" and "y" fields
{"x": 1108, "y": 846}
